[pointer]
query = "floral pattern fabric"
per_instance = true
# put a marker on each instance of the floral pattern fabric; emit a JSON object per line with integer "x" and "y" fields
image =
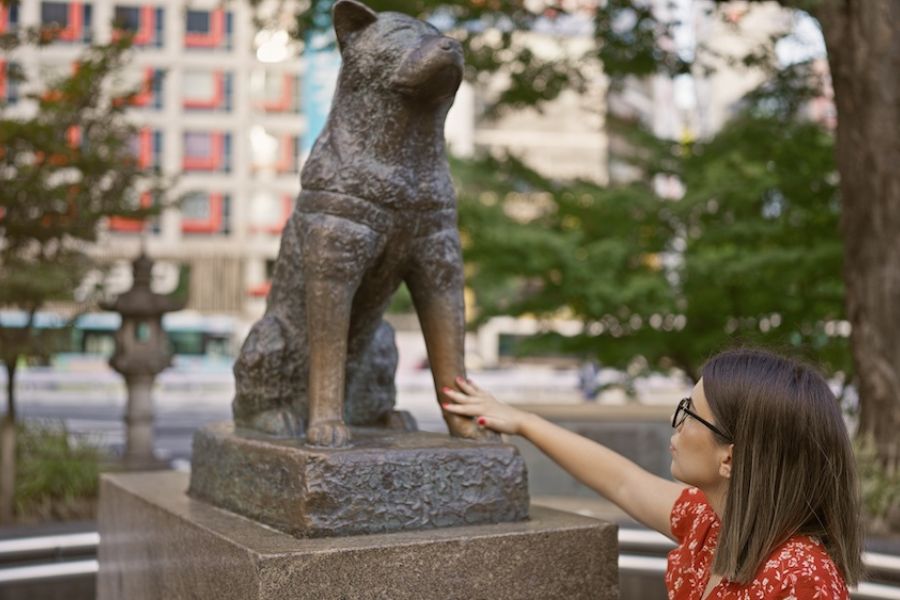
{"x": 799, "y": 569}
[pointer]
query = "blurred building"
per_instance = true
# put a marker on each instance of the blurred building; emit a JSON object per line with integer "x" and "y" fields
{"x": 220, "y": 107}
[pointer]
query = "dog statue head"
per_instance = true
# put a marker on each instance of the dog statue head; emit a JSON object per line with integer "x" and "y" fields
{"x": 394, "y": 53}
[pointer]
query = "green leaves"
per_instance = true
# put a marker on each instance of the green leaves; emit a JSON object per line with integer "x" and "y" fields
{"x": 750, "y": 254}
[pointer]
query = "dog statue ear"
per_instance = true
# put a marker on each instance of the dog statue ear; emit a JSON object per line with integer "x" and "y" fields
{"x": 349, "y": 17}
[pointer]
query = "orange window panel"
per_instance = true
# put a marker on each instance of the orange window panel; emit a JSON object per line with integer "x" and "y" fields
{"x": 211, "y": 39}
{"x": 214, "y": 101}
{"x": 125, "y": 225}
{"x": 74, "y": 28}
{"x": 212, "y": 224}
{"x": 210, "y": 162}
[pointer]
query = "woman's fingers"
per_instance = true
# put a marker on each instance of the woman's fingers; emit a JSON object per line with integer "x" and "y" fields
{"x": 467, "y": 386}
{"x": 462, "y": 409}
{"x": 458, "y": 396}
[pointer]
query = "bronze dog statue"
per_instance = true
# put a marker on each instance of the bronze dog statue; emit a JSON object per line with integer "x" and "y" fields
{"x": 377, "y": 208}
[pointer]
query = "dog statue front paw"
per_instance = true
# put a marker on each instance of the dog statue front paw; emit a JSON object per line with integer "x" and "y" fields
{"x": 330, "y": 434}
{"x": 468, "y": 428}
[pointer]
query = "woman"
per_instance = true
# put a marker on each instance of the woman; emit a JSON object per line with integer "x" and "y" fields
{"x": 772, "y": 507}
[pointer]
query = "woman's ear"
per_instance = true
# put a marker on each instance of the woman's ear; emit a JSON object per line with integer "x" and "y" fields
{"x": 725, "y": 463}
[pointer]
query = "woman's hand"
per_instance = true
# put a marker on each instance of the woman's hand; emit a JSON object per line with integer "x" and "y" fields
{"x": 471, "y": 401}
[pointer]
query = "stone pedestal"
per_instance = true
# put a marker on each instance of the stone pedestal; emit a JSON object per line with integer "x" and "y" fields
{"x": 383, "y": 482}
{"x": 156, "y": 542}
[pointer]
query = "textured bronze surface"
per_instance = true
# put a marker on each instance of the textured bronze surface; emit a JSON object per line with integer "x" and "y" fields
{"x": 377, "y": 208}
{"x": 155, "y": 542}
{"x": 382, "y": 482}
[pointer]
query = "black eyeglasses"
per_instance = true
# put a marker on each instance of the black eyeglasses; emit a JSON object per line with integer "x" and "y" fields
{"x": 682, "y": 412}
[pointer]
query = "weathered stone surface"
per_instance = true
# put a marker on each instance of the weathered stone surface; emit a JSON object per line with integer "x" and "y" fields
{"x": 383, "y": 482}
{"x": 156, "y": 542}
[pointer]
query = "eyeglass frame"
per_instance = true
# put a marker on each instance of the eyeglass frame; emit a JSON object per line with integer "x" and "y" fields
{"x": 683, "y": 408}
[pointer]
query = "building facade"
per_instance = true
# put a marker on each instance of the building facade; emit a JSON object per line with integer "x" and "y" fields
{"x": 219, "y": 107}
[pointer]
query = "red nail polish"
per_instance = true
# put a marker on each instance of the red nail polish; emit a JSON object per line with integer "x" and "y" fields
{"x": 481, "y": 421}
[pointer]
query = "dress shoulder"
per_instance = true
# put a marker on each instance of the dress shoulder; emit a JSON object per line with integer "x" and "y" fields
{"x": 689, "y": 506}
{"x": 801, "y": 569}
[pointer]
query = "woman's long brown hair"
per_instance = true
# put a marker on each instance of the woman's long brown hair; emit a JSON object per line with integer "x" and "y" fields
{"x": 793, "y": 468}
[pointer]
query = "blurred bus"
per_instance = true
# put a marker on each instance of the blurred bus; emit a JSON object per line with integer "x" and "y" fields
{"x": 198, "y": 341}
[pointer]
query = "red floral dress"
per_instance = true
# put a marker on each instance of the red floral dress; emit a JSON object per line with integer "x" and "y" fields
{"x": 799, "y": 569}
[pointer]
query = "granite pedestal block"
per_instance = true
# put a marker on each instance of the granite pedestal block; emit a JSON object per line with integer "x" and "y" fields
{"x": 384, "y": 481}
{"x": 158, "y": 543}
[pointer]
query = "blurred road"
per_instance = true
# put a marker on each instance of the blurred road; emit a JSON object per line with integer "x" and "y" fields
{"x": 91, "y": 401}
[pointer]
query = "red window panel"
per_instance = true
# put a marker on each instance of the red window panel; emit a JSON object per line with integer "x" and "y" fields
{"x": 215, "y": 100}
{"x": 2, "y": 73}
{"x": 145, "y": 96}
{"x": 124, "y": 225}
{"x": 4, "y": 17}
{"x": 285, "y": 99}
{"x": 213, "y": 38}
{"x": 213, "y": 222}
{"x": 144, "y": 34}
{"x": 260, "y": 290}
{"x": 75, "y": 27}
{"x": 143, "y": 148}
{"x": 210, "y": 162}
{"x": 74, "y": 136}
{"x": 287, "y": 160}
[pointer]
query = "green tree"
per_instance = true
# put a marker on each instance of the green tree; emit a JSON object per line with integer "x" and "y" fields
{"x": 66, "y": 165}
{"x": 750, "y": 253}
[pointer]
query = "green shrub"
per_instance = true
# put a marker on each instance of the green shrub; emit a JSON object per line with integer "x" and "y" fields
{"x": 57, "y": 476}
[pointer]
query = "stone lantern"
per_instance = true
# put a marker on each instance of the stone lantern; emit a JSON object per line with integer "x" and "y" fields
{"x": 141, "y": 353}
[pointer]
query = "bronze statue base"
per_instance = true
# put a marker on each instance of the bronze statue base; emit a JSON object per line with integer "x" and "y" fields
{"x": 385, "y": 481}
{"x": 157, "y": 542}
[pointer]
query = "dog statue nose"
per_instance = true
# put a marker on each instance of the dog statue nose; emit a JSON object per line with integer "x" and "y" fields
{"x": 446, "y": 44}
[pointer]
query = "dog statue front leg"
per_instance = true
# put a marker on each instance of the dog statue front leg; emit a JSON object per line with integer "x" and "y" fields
{"x": 328, "y": 304}
{"x": 436, "y": 285}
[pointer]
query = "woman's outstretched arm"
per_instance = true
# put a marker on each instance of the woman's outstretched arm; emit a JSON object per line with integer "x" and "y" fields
{"x": 643, "y": 495}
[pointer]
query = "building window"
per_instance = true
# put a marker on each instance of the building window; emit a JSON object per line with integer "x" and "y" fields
{"x": 207, "y": 90}
{"x": 208, "y": 29}
{"x": 125, "y": 225}
{"x": 70, "y": 21}
{"x": 146, "y": 93}
{"x": 277, "y": 93}
{"x": 9, "y": 17}
{"x": 147, "y": 148}
{"x": 269, "y": 212}
{"x": 144, "y": 22}
{"x": 271, "y": 153}
{"x": 207, "y": 151}
{"x": 9, "y": 82}
{"x": 205, "y": 213}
